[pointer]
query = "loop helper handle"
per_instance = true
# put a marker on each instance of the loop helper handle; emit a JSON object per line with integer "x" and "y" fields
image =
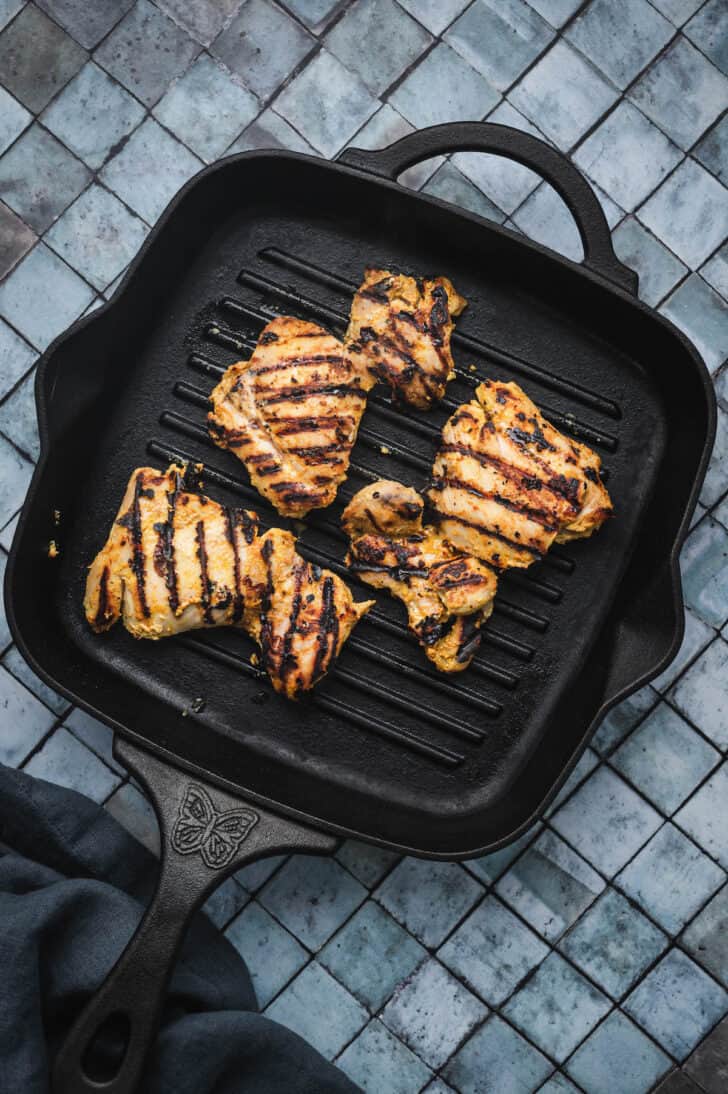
{"x": 502, "y": 140}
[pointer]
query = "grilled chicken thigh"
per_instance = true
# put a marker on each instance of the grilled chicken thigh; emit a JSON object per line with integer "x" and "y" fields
{"x": 399, "y": 333}
{"x": 448, "y": 595}
{"x": 506, "y": 484}
{"x": 175, "y": 561}
{"x": 291, "y": 414}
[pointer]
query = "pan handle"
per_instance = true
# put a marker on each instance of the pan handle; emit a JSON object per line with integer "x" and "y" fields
{"x": 502, "y": 140}
{"x": 206, "y": 835}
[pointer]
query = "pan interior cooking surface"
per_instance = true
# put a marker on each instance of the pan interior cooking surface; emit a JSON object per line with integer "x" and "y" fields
{"x": 384, "y": 726}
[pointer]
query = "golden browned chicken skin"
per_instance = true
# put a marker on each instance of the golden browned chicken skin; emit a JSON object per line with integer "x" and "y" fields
{"x": 399, "y": 334}
{"x": 448, "y": 595}
{"x": 291, "y": 414}
{"x": 176, "y": 561}
{"x": 506, "y": 484}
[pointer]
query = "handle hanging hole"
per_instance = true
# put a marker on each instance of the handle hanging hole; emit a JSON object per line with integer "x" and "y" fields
{"x": 106, "y": 1051}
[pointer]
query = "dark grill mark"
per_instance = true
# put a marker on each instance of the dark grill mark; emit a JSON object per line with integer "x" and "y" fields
{"x": 267, "y": 337}
{"x": 133, "y": 521}
{"x": 556, "y": 484}
{"x": 538, "y": 516}
{"x": 266, "y": 627}
{"x": 100, "y": 619}
{"x": 438, "y": 516}
{"x": 469, "y": 637}
{"x": 328, "y": 632}
{"x": 238, "y": 602}
{"x": 289, "y": 661}
{"x": 204, "y": 575}
{"x": 294, "y": 425}
{"x": 523, "y": 438}
{"x": 305, "y": 391}
{"x": 298, "y": 362}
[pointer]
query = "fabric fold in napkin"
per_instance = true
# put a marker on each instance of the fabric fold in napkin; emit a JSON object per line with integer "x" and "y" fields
{"x": 73, "y": 885}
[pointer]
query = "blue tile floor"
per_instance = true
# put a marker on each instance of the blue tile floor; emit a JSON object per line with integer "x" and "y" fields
{"x": 591, "y": 955}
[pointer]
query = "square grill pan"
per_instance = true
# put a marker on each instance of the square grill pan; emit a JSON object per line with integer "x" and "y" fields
{"x": 386, "y": 749}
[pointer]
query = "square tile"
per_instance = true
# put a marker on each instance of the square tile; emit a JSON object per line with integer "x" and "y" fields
{"x": 25, "y": 720}
{"x": 545, "y": 218}
{"x": 550, "y": 886}
{"x": 623, "y": 718}
{"x": 671, "y": 879}
{"x": 92, "y": 115}
{"x": 319, "y": 1010}
{"x": 203, "y": 19}
{"x": 255, "y": 875}
{"x": 37, "y": 58}
{"x": 451, "y": 185}
{"x": 436, "y": 15}
{"x": 225, "y": 902}
{"x": 428, "y": 898}
{"x": 367, "y": 863}
{"x": 14, "y": 118}
{"x": 63, "y": 760}
{"x": 269, "y": 130}
{"x": 314, "y": 13}
{"x": 97, "y": 235}
{"x": 708, "y": 29}
{"x": 262, "y": 46}
{"x": 8, "y": 10}
{"x": 497, "y": 1058}
{"x": 659, "y": 270}
{"x": 618, "y": 1056}
{"x": 705, "y": 816}
{"x": 432, "y": 1013}
{"x": 271, "y": 954}
{"x": 502, "y": 180}
{"x": 558, "y": 1084}
{"x": 613, "y": 943}
{"x": 678, "y": 1082}
{"x": 19, "y": 420}
{"x": 21, "y": 670}
{"x": 132, "y": 810}
{"x": 627, "y": 155}
{"x": 312, "y": 897}
{"x": 443, "y": 88}
{"x": 665, "y": 758}
{"x": 713, "y": 150}
{"x": 14, "y": 482}
{"x": 371, "y": 954}
{"x": 149, "y": 170}
{"x": 146, "y": 51}
{"x": 377, "y": 1061}
{"x": 557, "y": 12}
{"x": 677, "y": 1003}
{"x": 39, "y": 178}
{"x": 682, "y": 93}
{"x": 490, "y": 867}
{"x": 26, "y": 302}
{"x": 500, "y": 39}
{"x": 393, "y": 42}
{"x": 715, "y": 271}
{"x": 689, "y": 213}
{"x": 606, "y": 821}
{"x": 87, "y": 23}
{"x": 703, "y": 315}
{"x": 16, "y": 239}
{"x": 702, "y": 693}
{"x": 584, "y": 95}
{"x": 492, "y": 951}
{"x": 697, "y": 636}
{"x": 557, "y": 1007}
{"x": 705, "y": 937}
{"x": 704, "y": 567}
{"x": 620, "y": 37}
{"x": 206, "y": 108}
{"x": 16, "y": 357}
{"x": 326, "y": 104}
{"x": 708, "y": 1065}
{"x": 677, "y": 11}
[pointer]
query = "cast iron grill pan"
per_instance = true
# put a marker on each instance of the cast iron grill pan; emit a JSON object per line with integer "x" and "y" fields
{"x": 386, "y": 748}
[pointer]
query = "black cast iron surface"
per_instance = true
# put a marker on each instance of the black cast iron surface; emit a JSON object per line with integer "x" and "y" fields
{"x": 386, "y": 749}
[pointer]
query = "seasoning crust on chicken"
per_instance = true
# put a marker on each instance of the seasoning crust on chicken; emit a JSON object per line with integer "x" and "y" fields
{"x": 448, "y": 595}
{"x": 399, "y": 334}
{"x": 176, "y": 561}
{"x": 291, "y": 414}
{"x": 506, "y": 484}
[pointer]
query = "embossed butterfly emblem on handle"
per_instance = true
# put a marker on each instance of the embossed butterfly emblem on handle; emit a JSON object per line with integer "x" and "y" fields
{"x": 201, "y": 827}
